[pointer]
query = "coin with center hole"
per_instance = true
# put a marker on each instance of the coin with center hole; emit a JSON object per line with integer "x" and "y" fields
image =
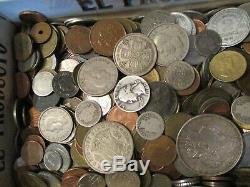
{"x": 41, "y": 32}
{"x": 42, "y": 83}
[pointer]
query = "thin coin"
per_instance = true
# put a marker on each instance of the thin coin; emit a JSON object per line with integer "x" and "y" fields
{"x": 152, "y": 76}
{"x": 71, "y": 103}
{"x": 23, "y": 46}
{"x": 185, "y": 22}
{"x": 200, "y": 26}
{"x": 160, "y": 180}
{"x": 41, "y": 32}
{"x": 28, "y": 150}
{"x": 219, "y": 178}
{"x": 42, "y": 103}
{"x": 22, "y": 85}
{"x": 123, "y": 179}
{"x": 42, "y": 83}
{"x": 31, "y": 17}
{"x": 186, "y": 182}
{"x": 68, "y": 65}
{"x": 52, "y": 160}
{"x": 91, "y": 180}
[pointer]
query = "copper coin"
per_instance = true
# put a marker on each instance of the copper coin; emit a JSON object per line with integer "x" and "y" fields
{"x": 23, "y": 46}
{"x": 170, "y": 171}
{"x": 77, "y": 39}
{"x": 105, "y": 34}
{"x": 200, "y": 26}
{"x": 41, "y": 32}
{"x": 31, "y": 17}
{"x": 29, "y": 131}
{"x": 36, "y": 138}
{"x": 76, "y": 172}
{"x": 71, "y": 181}
{"x": 161, "y": 151}
{"x": 34, "y": 114}
{"x": 128, "y": 119}
{"x": 22, "y": 85}
{"x": 246, "y": 47}
{"x": 32, "y": 152}
{"x": 194, "y": 87}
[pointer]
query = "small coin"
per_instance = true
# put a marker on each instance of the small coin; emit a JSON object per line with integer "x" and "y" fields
{"x": 42, "y": 103}
{"x": 171, "y": 42}
{"x": 68, "y": 65}
{"x": 23, "y": 46}
{"x": 160, "y": 180}
{"x": 105, "y": 34}
{"x": 31, "y": 17}
{"x": 41, "y": 32}
{"x": 31, "y": 179}
{"x": 91, "y": 180}
{"x": 230, "y": 88}
{"x": 200, "y": 26}
{"x": 88, "y": 113}
{"x": 185, "y": 22}
{"x": 49, "y": 178}
{"x": 131, "y": 93}
{"x": 71, "y": 103}
{"x": 152, "y": 76}
{"x": 183, "y": 169}
{"x": 150, "y": 125}
{"x": 28, "y": 150}
{"x": 29, "y": 64}
{"x": 49, "y": 63}
{"x": 52, "y": 160}
{"x": 228, "y": 66}
{"x": 97, "y": 76}
{"x": 141, "y": 54}
{"x": 22, "y": 85}
{"x": 123, "y": 179}
{"x": 42, "y": 83}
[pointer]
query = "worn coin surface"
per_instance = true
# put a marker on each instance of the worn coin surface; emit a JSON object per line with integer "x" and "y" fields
{"x": 52, "y": 160}
{"x": 104, "y": 141}
{"x": 131, "y": 93}
{"x": 171, "y": 42}
{"x": 31, "y": 17}
{"x": 42, "y": 103}
{"x": 135, "y": 54}
{"x": 139, "y": 142}
{"x": 41, "y": 32}
{"x": 23, "y": 46}
{"x": 42, "y": 83}
{"x": 160, "y": 180}
{"x": 230, "y": 88}
{"x": 245, "y": 160}
{"x": 36, "y": 138}
{"x": 185, "y": 22}
{"x": 91, "y": 180}
{"x": 49, "y": 178}
{"x": 150, "y": 125}
{"x": 123, "y": 179}
{"x": 71, "y": 103}
{"x": 203, "y": 142}
{"x": 232, "y": 24}
{"x": 29, "y": 64}
{"x": 49, "y": 63}
{"x": 97, "y": 76}
{"x": 68, "y": 64}
{"x": 32, "y": 152}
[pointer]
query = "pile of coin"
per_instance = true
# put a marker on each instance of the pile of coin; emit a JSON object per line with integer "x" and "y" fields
{"x": 172, "y": 89}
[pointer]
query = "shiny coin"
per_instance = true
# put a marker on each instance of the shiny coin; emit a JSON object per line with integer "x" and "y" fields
{"x": 42, "y": 83}
{"x": 150, "y": 125}
{"x": 22, "y": 85}
{"x": 217, "y": 136}
{"x": 183, "y": 169}
{"x": 91, "y": 180}
{"x": 228, "y": 66}
{"x": 49, "y": 178}
{"x": 232, "y": 24}
{"x": 123, "y": 179}
{"x": 131, "y": 93}
{"x": 30, "y": 179}
{"x": 29, "y": 64}
{"x": 160, "y": 180}
{"x": 140, "y": 55}
{"x": 49, "y": 63}
{"x": 171, "y": 42}
{"x": 23, "y": 46}
{"x": 97, "y": 76}
{"x": 31, "y": 17}
{"x": 42, "y": 103}
{"x": 108, "y": 139}
{"x": 55, "y": 129}
{"x": 41, "y": 32}
{"x": 200, "y": 26}
{"x": 186, "y": 182}
{"x": 68, "y": 65}
{"x": 185, "y": 22}
{"x": 88, "y": 113}
{"x": 71, "y": 103}
{"x": 52, "y": 160}
{"x": 152, "y": 76}
{"x": 32, "y": 152}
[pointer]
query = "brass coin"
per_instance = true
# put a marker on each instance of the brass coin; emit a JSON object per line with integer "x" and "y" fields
{"x": 23, "y": 46}
{"x": 31, "y": 17}
{"x": 152, "y": 76}
{"x": 81, "y": 131}
{"x": 228, "y": 66}
{"x": 41, "y": 32}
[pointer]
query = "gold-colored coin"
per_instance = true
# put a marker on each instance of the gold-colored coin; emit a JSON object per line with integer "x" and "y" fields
{"x": 152, "y": 76}
{"x": 126, "y": 24}
{"x": 80, "y": 134}
{"x": 228, "y": 66}
{"x": 78, "y": 159}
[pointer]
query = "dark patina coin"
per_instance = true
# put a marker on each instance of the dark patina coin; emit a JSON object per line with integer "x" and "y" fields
{"x": 30, "y": 64}
{"x": 23, "y": 46}
{"x": 42, "y": 103}
{"x": 22, "y": 85}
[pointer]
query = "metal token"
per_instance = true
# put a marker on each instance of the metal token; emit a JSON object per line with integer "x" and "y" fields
{"x": 49, "y": 178}
{"x": 31, "y": 17}
{"x": 183, "y": 169}
{"x": 150, "y": 125}
{"x": 185, "y": 22}
{"x": 97, "y": 76}
{"x": 49, "y": 63}
{"x": 91, "y": 180}
{"x": 52, "y": 160}
{"x": 108, "y": 139}
{"x": 23, "y": 46}
{"x": 42, "y": 103}
{"x": 131, "y": 93}
{"x": 41, "y": 32}
{"x": 68, "y": 65}
{"x": 22, "y": 85}
{"x": 135, "y": 54}
{"x": 205, "y": 152}
{"x": 171, "y": 42}
{"x": 42, "y": 83}
{"x": 160, "y": 180}
{"x": 152, "y": 76}
{"x": 245, "y": 161}
{"x": 71, "y": 103}
{"x": 88, "y": 113}
{"x": 32, "y": 152}
{"x": 123, "y": 179}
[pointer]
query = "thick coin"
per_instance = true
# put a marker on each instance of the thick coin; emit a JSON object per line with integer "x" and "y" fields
{"x": 204, "y": 152}
{"x": 91, "y": 180}
{"x": 200, "y": 25}
{"x": 41, "y": 32}
{"x": 49, "y": 178}
{"x": 32, "y": 152}
{"x": 22, "y": 85}
{"x": 31, "y": 17}
{"x": 52, "y": 160}
{"x": 68, "y": 64}
{"x": 42, "y": 83}
{"x": 131, "y": 93}
{"x": 105, "y": 34}
{"x": 152, "y": 76}
{"x": 160, "y": 180}
{"x": 171, "y": 42}
{"x": 185, "y": 22}
{"x": 42, "y": 103}
{"x": 71, "y": 103}
{"x": 23, "y": 46}
{"x": 123, "y": 179}
{"x": 150, "y": 125}
{"x": 183, "y": 169}
{"x": 97, "y": 76}
{"x": 135, "y": 54}
{"x": 232, "y": 24}
{"x": 88, "y": 113}
{"x": 107, "y": 139}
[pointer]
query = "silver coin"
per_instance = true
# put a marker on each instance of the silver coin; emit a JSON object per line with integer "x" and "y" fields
{"x": 49, "y": 63}
{"x": 104, "y": 101}
{"x": 232, "y": 24}
{"x": 52, "y": 160}
{"x": 160, "y": 180}
{"x": 230, "y": 88}
{"x": 180, "y": 75}
{"x": 42, "y": 83}
{"x": 155, "y": 18}
{"x": 135, "y": 54}
{"x": 50, "y": 179}
{"x": 172, "y": 43}
{"x": 240, "y": 110}
{"x": 123, "y": 179}
{"x": 183, "y": 169}
{"x": 71, "y": 103}
{"x": 97, "y": 76}
{"x": 71, "y": 136}
{"x": 131, "y": 93}
{"x": 91, "y": 180}
{"x": 68, "y": 65}
{"x": 185, "y": 22}
{"x": 150, "y": 125}
{"x": 186, "y": 182}
{"x": 104, "y": 141}
{"x": 88, "y": 113}
{"x": 54, "y": 128}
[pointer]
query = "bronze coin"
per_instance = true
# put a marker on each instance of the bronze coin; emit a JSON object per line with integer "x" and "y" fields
{"x": 161, "y": 151}
{"x": 36, "y": 138}
{"x": 41, "y": 32}
{"x": 32, "y": 152}
{"x": 29, "y": 131}
{"x": 76, "y": 172}
{"x": 246, "y": 47}
{"x": 105, "y": 34}
{"x": 34, "y": 114}
{"x": 199, "y": 25}
{"x": 71, "y": 181}
{"x": 170, "y": 171}
{"x": 77, "y": 39}
{"x": 22, "y": 85}
{"x": 23, "y": 46}
{"x": 31, "y": 17}
{"x": 128, "y": 119}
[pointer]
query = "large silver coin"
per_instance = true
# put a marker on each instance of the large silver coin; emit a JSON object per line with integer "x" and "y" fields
{"x": 131, "y": 93}
{"x": 135, "y": 54}
{"x": 104, "y": 141}
{"x": 150, "y": 125}
{"x": 97, "y": 76}
{"x": 240, "y": 110}
{"x": 203, "y": 142}
{"x": 91, "y": 180}
{"x": 232, "y": 24}
{"x": 55, "y": 124}
{"x": 171, "y": 42}
{"x": 123, "y": 179}
{"x": 185, "y": 22}
{"x": 42, "y": 83}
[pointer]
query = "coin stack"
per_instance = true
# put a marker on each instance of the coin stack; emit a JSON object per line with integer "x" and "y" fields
{"x": 171, "y": 89}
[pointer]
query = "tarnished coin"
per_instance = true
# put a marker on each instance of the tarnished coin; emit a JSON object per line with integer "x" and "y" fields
{"x": 228, "y": 66}
{"x": 200, "y": 25}
{"x": 135, "y": 54}
{"x": 42, "y": 83}
{"x": 53, "y": 128}
{"x": 183, "y": 169}
{"x": 42, "y": 103}
{"x": 230, "y": 88}
{"x": 107, "y": 139}
{"x": 71, "y": 103}
{"x": 97, "y": 76}
{"x": 49, "y": 63}
{"x": 41, "y": 32}
{"x": 185, "y": 22}
{"x": 232, "y": 24}
{"x": 36, "y": 138}
{"x": 68, "y": 64}
{"x": 23, "y": 46}
{"x": 152, "y": 76}
{"x": 91, "y": 180}
{"x": 31, "y": 63}
{"x": 126, "y": 24}
{"x": 139, "y": 142}
{"x": 245, "y": 160}
{"x": 131, "y": 93}
{"x": 170, "y": 171}
{"x": 81, "y": 132}
{"x": 88, "y": 113}
{"x": 31, "y": 17}
{"x": 77, "y": 156}
{"x": 123, "y": 179}
{"x": 22, "y": 85}
{"x": 171, "y": 42}
{"x": 52, "y": 160}
{"x": 49, "y": 178}
{"x": 246, "y": 47}
{"x": 150, "y": 125}
{"x": 30, "y": 179}
{"x": 105, "y": 34}
{"x": 32, "y": 152}
{"x": 160, "y": 180}
{"x": 204, "y": 152}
